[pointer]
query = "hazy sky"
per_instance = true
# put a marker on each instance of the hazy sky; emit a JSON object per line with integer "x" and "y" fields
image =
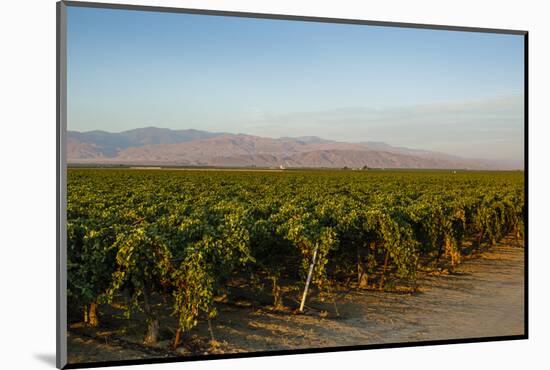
{"x": 457, "y": 92}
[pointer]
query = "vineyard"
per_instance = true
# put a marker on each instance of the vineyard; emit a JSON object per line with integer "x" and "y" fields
{"x": 142, "y": 240}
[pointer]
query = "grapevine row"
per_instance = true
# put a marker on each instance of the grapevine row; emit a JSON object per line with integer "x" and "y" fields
{"x": 181, "y": 236}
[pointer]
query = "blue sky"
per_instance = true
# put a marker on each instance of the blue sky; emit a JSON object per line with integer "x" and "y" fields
{"x": 457, "y": 92}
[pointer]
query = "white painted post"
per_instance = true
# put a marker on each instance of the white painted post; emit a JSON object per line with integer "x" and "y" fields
{"x": 308, "y": 280}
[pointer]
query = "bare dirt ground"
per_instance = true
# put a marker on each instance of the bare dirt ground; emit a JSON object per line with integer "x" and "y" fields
{"x": 483, "y": 297}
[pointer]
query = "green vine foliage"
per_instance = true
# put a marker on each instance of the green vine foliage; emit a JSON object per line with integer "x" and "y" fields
{"x": 182, "y": 236}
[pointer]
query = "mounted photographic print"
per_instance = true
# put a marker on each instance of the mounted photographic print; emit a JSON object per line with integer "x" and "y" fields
{"x": 235, "y": 184}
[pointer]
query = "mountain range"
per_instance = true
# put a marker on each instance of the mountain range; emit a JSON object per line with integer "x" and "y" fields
{"x": 159, "y": 146}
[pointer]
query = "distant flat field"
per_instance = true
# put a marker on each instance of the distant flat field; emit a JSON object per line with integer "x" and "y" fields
{"x": 73, "y": 166}
{"x": 208, "y": 169}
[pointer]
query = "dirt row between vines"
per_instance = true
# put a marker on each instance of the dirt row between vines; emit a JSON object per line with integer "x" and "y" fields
{"x": 484, "y": 297}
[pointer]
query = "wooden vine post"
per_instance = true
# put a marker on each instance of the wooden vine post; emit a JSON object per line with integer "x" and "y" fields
{"x": 308, "y": 280}
{"x": 386, "y": 259}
